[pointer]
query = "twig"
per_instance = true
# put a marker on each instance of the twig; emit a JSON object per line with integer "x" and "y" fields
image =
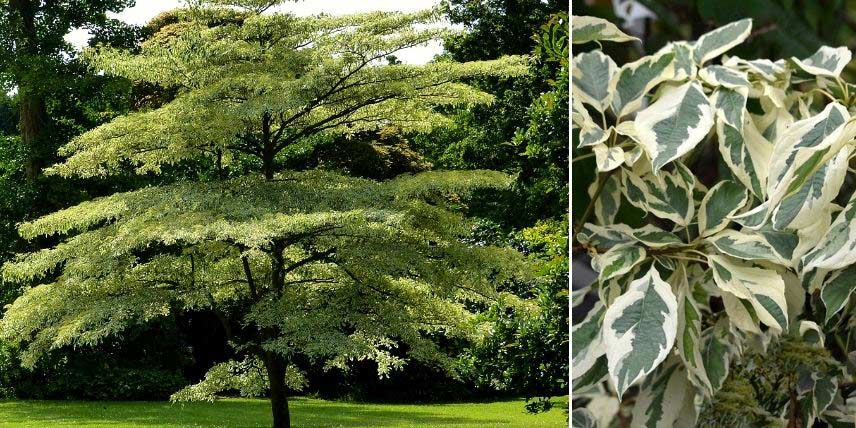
{"x": 602, "y": 178}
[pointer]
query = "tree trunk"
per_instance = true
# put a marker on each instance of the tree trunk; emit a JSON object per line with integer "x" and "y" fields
{"x": 32, "y": 124}
{"x": 275, "y": 366}
{"x": 33, "y": 114}
{"x": 267, "y": 167}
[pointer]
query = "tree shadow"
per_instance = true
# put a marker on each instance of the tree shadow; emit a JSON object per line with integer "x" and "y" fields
{"x": 232, "y": 414}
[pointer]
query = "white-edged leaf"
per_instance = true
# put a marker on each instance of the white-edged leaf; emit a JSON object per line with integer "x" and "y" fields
{"x": 812, "y": 281}
{"x": 717, "y": 42}
{"x": 627, "y": 129}
{"x": 803, "y": 105}
{"x": 755, "y": 218}
{"x": 635, "y": 79}
{"x": 774, "y": 122}
{"x": 811, "y": 333}
{"x": 836, "y": 417}
{"x": 689, "y": 330}
{"x": 827, "y": 61}
{"x": 730, "y": 105}
{"x": 773, "y": 94}
{"x": 717, "y": 75}
{"x": 685, "y": 66}
{"x": 794, "y": 295}
{"x": 607, "y": 158}
{"x": 740, "y": 313}
{"x": 639, "y": 330}
{"x": 675, "y": 123}
{"x": 809, "y": 237}
{"x": 668, "y": 196}
{"x": 633, "y": 155}
{"x": 654, "y": 237}
{"x": 747, "y": 153}
{"x": 665, "y": 262}
{"x": 764, "y": 68}
{"x": 837, "y": 289}
{"x": 604, "y": 237}
{"x": 586, "y": 343}
{"x": 596, "y": 374}
{"x": 783, "y": 244}
{"x": 582, "y": 418}
{"x": 815, "y": 392}
{"x": 746, "y": 246}
{"x": 837, "y": 248}
{"x": 803, "y": 148}
{"x": 635, "y": 152}
{"x": 589, "y": 28}
{"x": 717, "y": 354}
{"x": 610, "y": 289}
{"x": 591, "y": 74}
{"x": 763, "y": 288}
{"x": 719, "y": 204}
{"x": 662, "y": 396}
{"x": 579, "y": 114}
{"x": 592, "y": 135}
{"x": 617, "y": 261}
{"x": 608, "y": 201}
{"x": 801, "y": 208}
{"x": 605, "y": 408}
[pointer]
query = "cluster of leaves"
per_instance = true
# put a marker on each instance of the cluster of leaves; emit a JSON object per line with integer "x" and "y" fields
{"x": 526, "y": 352}
{"x": 297, "y": 76}
{"x": 57, "y": 96}
{"x": 248, "y": 377}
{"x": 521, "y": 132}
{"x": 188, "y": 245}
{"x": 534, "y": 328}
{"x": 543, "y": 177}
{"x": 756, "y": 255}
{"x": 783, "y": 27}
{"x": 773, "y": 376}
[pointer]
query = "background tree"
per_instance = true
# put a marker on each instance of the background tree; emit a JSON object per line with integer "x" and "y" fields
{"x": 31, "y": 45}
{"x": 290, "y": 263}
{"x": 484, "y": 136}
{"x": 74, "y": 99}
{"x": 524, "y": 133}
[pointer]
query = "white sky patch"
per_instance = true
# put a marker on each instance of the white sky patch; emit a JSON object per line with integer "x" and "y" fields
{"x": 145, "y": 10}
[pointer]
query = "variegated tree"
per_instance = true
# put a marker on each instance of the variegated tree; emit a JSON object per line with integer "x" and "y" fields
{"x": 311, "y": 264}
{"x": 759, "y": 255}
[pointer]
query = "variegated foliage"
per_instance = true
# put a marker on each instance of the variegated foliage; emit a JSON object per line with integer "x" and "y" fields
{"x": 751, "y": 253}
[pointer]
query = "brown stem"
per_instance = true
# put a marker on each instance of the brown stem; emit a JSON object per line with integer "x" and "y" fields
{"x": 254, "y": 293}
{"x": 793, "y": 411}
{"x": 602, "y": 178}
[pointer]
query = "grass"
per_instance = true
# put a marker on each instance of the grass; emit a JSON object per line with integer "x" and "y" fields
{"x": 249, "y": 413}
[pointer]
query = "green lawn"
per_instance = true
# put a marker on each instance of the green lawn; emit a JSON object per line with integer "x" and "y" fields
{"x": 246, "y": 413}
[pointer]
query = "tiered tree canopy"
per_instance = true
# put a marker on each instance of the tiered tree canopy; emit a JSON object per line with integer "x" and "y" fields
{"x": 311, "y": 263}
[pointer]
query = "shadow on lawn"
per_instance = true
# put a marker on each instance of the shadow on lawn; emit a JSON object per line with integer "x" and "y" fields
{"x": 231, "y": 414}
